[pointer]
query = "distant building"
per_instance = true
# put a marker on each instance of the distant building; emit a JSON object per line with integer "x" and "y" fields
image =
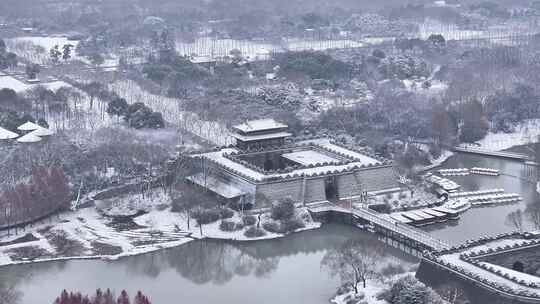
{"x": 267, "y": 162}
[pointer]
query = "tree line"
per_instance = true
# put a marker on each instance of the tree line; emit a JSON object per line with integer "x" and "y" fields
{"x": 101, "y": 297}
{"x": 46, "y": 192}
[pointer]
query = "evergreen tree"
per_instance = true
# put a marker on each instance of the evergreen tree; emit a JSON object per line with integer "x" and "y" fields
{"x": 123, "y": 298}
{"x": 66, "y": 51}
{"x": 55, "y": 54}
{"x": 117, "y": 107}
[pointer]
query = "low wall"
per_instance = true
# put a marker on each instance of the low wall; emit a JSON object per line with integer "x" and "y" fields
{"x": 529, "y": 257}
{"x": 438, "y": 276}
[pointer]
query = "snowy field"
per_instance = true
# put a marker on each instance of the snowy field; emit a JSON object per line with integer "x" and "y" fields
{"x": 253, "y": 50}
{"x": 449, "y": 31}
{"x": 524, "y": 133}
{"x": 36, "y": 49}
{"x": 19, "y": 86}
{"x": 87, "y": 233}
{"x": 210, "y": 47}
{"x": 171, "y": 108}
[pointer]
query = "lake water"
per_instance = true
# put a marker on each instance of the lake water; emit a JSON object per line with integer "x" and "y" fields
{"x": 479, "y": 221}
{"x": 281, "y": 271}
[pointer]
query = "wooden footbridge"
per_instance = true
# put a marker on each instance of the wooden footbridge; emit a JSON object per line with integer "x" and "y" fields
{"x": 412, "y": 238}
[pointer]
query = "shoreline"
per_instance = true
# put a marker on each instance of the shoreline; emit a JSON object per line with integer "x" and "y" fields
{"x": 158, "y": 247}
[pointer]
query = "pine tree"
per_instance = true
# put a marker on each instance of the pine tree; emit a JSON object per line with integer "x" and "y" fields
{"x": 66, "y": 52}
{"x": 123, "y": 298}
{"x": 108, "y": 297}
{"x": 55, "y": 54}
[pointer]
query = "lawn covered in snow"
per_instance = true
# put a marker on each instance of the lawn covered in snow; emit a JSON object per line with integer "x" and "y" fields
{"x": 89, "y": 233}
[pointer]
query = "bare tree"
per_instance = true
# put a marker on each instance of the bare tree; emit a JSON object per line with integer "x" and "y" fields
{"x": 515, "y": 220}
{"x": 533, "y": 213}
{"x": 453, "y": 293}
{"x": 188, "y": 199}
{"x": 354, "y": 262}
{"x": 8, "y": 294}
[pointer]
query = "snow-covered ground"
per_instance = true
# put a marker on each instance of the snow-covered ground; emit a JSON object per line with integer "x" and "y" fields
{"x": 210, "y": 47}
{"x": 369, "y": 294}
{"x": 19, "y": 86}
{"x": 36, "y": 49}
{"x": 171, "y": 108}
{"x": 91, "y": 231}
{"x": 525, "y": 133}
{"x": 449, "y": 31}
{"x": 320, "y": 45}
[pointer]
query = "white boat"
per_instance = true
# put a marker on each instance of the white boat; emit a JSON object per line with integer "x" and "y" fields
{"x": 459, "y": 205}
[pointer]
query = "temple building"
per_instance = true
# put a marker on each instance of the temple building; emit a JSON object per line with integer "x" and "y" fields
{"x": 260, "y": 133}
{"x": 267, "y": 162}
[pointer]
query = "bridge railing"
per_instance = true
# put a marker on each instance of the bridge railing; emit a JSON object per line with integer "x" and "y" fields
{"x": 413, "y": 233}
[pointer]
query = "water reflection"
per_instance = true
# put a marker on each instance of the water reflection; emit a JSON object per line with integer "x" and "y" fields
{"x": 207, "y": 271}
{"x": 202, "y": 262}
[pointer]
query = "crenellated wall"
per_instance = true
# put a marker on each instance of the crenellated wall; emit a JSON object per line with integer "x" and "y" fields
{"x": 282, "y": 189}
{"x": 314, "y": 190}
{"x": 378, "y": 178}
{"x": 529, "y": 257}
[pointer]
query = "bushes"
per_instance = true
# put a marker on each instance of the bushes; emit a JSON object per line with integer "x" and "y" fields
{"x": 253, "y": 232}
{"x": 139, "y": 116}
{"x": 283, "y": 210}
{"x": 207, "y": 216}
{"x": 409, "y": 290}
{"x": 226, "y": 213}
{"x": 291, "y": 225}
{"x": 230, "y": 226}
{"x": 286, "y": 226}
{"x": 273, "y": 227}
{"x": 249, "y": 220}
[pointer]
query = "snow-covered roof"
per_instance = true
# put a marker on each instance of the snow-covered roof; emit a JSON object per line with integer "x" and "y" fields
{"x": 29, "y": 138}
{"x": 202, "y": 59}
{"x": 215, "y": 185}
{"x": 309, "y": 157}
{"x": 360, "y": 160}
{"x": 260, "y": 125}
{"x": 6, "y": 134}
{"x": 28, "y": 126}
{"x": 261, "y": 136}
{"x": 42, "y": 132}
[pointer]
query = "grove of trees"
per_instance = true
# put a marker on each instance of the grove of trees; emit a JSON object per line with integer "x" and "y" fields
{"x": 101, "y": 297}
{"x": 46, "y": 192}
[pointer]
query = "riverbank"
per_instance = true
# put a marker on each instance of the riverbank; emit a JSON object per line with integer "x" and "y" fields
{"x": 372, "y": 293}
{"x": 89, "y": 234}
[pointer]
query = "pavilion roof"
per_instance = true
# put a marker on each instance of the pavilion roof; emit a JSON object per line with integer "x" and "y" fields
{"x": 260, "y": 125}
{"x": 28, "y": 126}
{"x": 6, "y": 134}
{"x": 29, "y": 138}
{"x": 42, "y": 132}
